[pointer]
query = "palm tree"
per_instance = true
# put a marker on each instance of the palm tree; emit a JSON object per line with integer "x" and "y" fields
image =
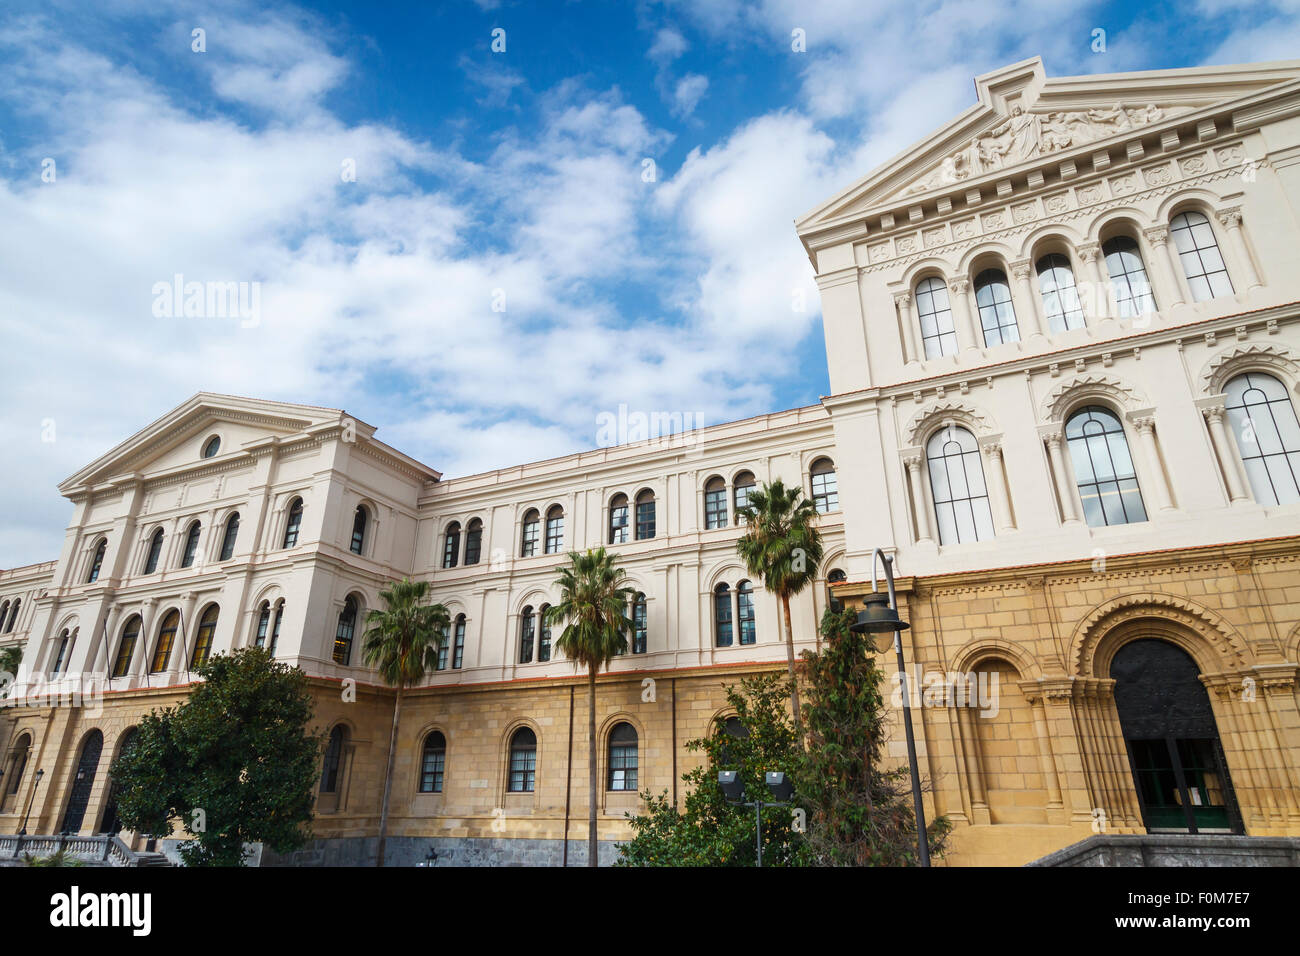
{"x": 593, "y": 602}
{"x": 782, "y": 547}
{"x": 401, "y": 642}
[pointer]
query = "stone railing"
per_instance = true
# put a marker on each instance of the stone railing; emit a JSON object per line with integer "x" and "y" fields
{"x": 106, "y": 850}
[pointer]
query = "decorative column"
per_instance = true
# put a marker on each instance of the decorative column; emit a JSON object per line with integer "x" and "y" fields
{"x": 1230, "y": 219}
{"x": 1224, "y": 449}
{"x": 1046, "y": 760}
{"x": 959, "y": 290}
{"x": 903, "y": 300}
{"x": 180, "y": 647}
{"x": 1064, "y": 489}
{"x": 1092, "y": 290}
{"x": 995, "y": 481}
{"x": 913, "y": 463}
{"x": 1024, "y": 300}
{"x": 1145, "y": 423}
{"x": 1169, "y": 289}
{"x": 139, "y": 667}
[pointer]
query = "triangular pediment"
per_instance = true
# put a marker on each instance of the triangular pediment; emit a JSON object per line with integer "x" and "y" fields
{"x": 1023, "y": 118}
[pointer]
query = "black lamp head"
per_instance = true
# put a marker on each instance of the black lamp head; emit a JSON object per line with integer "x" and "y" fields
{"x": 877, "y": 617}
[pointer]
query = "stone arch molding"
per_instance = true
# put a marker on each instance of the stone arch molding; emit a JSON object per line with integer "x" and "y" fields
{"x": 959, "y": 413}
{"x": 1082, "y": 387}
{"x": 1213, "y": 643}
{"x": 978, "y": 651}
{"x": 1244, "y": 358}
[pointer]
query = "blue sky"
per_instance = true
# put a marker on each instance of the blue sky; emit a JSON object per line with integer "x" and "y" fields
{"x": 499, "y": 272}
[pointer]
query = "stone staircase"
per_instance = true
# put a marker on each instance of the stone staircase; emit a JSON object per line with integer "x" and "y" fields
{"x": 91, "y": 850}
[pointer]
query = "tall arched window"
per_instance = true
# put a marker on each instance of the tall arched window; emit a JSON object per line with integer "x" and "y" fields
{"x": 330, "y": 771}
{"x": 837, "y": 576}
{"x": 1198, "y": 251}
{"x": 555, "y": 530}
{"x": 13, "y": 615}
{"x": 228, "y": 540}
{"x": 825, "y": 487}
{"x": 531, "y": 532}
{"x": 1128, "y": 276}
{"x": 741, "y": 488}
{"x": 1268, "y": 436}
{"x": 359, "y": 519}
{"x": 162, "y": 651}
{"x": 191, "y": 545}
{"x": 65, "y": 647}
{"x": 623, "y": 757}
{"x": 1061, "y": 302}
{"x": 207, "y": 629}
{"x": 18, "y": 763}
{"x": 543, "y": 634}
{"x": 645, "y": 515}
{"x": 444, "y": 648}
{"x": 458, "y": 649}
{"x": 474, "y": 542}
{"x": 126, "y": 646}
{"x": 97, "y": 561}
{"x": 4, "y": 614}
{"x": 527, "y": 630}
{"x": 722, "y": 615}
{"x": 432, "y": 762}
{"x": 343, "y": 634}
{"x": 523, "y": 761}
{"x": 618, "y": 519}
{"x": 640, "y": 628}
{"x": 1103, "y": 468}
{"x": 961, "y": 499}
{"x": 715, "y": 503}
{"x": 275, "y": 628}
{"x": 451, "y": 545}
{"x": 294, "y": 524}
{"x": 997, "y": 314}
{"x": 745, "y": 612}
{"x": 155, "y": 552}
{"x": 934, "y": 312}
{"x": 263, "y": 624}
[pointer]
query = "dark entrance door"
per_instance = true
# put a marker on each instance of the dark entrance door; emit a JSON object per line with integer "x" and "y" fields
{"x": 82, "y": 782}
{"x": 111, "y": 822}
{"x": 1173, "y": 742}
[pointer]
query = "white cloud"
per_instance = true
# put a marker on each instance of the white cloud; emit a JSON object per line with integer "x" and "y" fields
{"x": 687, "y": 94}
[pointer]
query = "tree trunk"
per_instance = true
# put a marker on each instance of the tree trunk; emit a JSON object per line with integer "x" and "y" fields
{"x": 388, "y": 777}
{"x": 794, "y": 683}
{"x": 591, "y": 767}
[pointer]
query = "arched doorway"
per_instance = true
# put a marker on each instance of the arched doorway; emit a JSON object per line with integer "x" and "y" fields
{"x": 1172, "y": 740}
{"x": 111, "y": 822}
{"x": 82, "y": 782}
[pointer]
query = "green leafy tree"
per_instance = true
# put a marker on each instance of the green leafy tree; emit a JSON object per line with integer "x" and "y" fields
{"x": 783, "y": 547}
{"x": 234, "y": 763}
{"x": 401, "y": 642}
{"x": 10, "y": 658}
{"x": 709, "y": 831}
{"x": 593, "y": 608}
{"x": 858, "y": 813}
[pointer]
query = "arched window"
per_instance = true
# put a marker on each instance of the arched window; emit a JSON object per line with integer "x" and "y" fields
{"x": 65, "y": 646}
{"x": 294, "y": 524}
{"x": 451, "y": 545}
{"x": 618, "y": 519}
{"x": 4, "y": 614}
{"x": 961, "y": 499}
{"x": 155, "y": 552}
{"x": 162, "y": 651}
{"x": 211, "y": 447}
{"x": 346, "y": 628}
{"x": 554, "y": 530}
{"x": 228, "y": 539}
{"x": 736, "y": 730}
{"x": 715, "y": 503}
{"x": 97, "y": 561}
{"x": 745, "y": 612}
{"x": 207, "y": 629}
{"x": 543, "y": 634}
{"x": 531, "y": 532}
{"x": 329, "y": 778}
{"x": 741, "y": 488}
{"x": 640, "y": 629}
{"x": 191, "y": 545}
{"x": 825, "y": 488}
{"x": 527, "y": 629}
{"x": 722, "y": 615}
{"x": 1128, "y": 276}
{"x": 126, "y": 646}
{"x": 1103, "y": 468}
{"x": 444, "y": 648}
{"x": 997, "y": 314}
{"x": 359, "y": 529}
{"x": 1268, "y": 436}
{"x": 458, "y": 650}
{"x": 523, "y": 761}
{"x": 938, "y": 333}
{"x": 18, "y": 763}
{"x": 1061, "y": 302}
{"x": 263, "y": 624}
{"x": 13, "y": 615}
{"x": 474, "y": 542}
{"x": 645, "y": 515}
{"x": 275, "y": 628}
{"x": 1198, "y": 251}
{"x": 432, "y": 762}
{"x": 622, "y": 757}
{"x": 837, "y": 576}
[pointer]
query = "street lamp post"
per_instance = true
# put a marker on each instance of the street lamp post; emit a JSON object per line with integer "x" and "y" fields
{"x": 733, "y": 791}
{"x": 30, "y": 798}
{"x": 880, "y": 618}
